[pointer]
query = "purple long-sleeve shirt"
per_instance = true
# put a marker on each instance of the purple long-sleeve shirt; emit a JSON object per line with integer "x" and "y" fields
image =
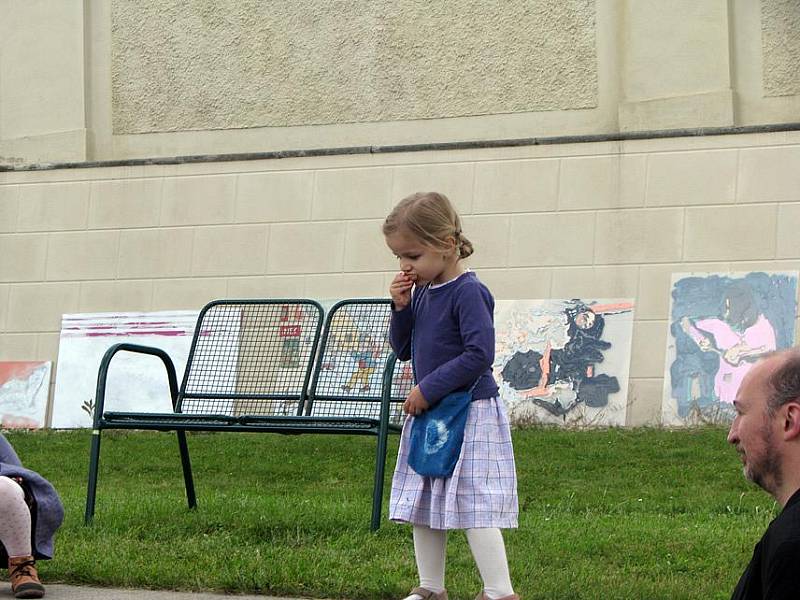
{"x": 453, "y": 338}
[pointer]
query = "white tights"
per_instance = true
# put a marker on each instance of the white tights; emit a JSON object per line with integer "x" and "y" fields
{"x": 15, "y": 519}
{"x": 487, "y": 548}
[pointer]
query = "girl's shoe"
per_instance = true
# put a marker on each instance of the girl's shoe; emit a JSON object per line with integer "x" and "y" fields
{"x": 428, "y": 595}
{"x": 24, "y": 577}
{"x": 483, "y": 596}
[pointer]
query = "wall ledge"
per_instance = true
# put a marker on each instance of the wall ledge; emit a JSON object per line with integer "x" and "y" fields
{"x": 443, "y": 146}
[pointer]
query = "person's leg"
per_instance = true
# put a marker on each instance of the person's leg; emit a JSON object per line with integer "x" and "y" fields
{"x": 350, "y": 382}
{"x": 15, "y": 519}
{"x": 429, "y": 547}
{"x": 362, "y": 377}
{"x": 15, "y": 533}
{"x": 490, "y": 555}
{"x": 365, "y": 379}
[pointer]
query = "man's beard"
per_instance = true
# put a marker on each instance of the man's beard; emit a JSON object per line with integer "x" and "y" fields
{"x": 766, "y": 472}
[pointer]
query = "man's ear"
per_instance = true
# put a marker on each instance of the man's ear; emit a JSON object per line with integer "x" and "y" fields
{"x": 791, "y": 421}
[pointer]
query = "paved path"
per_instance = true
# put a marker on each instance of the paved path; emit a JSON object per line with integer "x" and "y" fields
{"x": 56, "y": 591}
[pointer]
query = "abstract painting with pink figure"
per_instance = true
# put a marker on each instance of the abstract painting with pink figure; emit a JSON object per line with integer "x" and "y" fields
{"x": 720, "y": 325}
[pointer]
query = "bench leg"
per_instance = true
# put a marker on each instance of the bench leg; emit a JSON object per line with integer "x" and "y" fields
{"x": 91, "y": 491}
{"x": 380, "y": 469}
{"x": 187, "y": 470}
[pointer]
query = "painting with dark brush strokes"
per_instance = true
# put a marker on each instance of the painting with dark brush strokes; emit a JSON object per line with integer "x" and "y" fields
{"x": 564, "y": 361}
{"x": 720, "y": 325}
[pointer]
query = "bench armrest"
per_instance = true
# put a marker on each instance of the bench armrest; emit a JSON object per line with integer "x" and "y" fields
{"x": 102, "y": 375}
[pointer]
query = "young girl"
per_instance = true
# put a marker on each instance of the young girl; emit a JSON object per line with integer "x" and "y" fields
{"x": 451, "y": 314}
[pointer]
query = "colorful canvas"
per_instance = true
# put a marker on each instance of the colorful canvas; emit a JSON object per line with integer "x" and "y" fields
{"x": 24, "y": 389}
{"x": 720, "y": 324}
{"x": 564, "y": 362}
{"x": 136, "y": 382}
{"x": 357, "y": 350}
{"x": 352, "y": 363}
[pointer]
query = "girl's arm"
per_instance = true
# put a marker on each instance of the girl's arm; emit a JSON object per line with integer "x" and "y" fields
{"x": 400, "y": 332}
{"x": 692, "y": 330}
{"x": 762, "y": 332}
{"x": 544, "y": 364}
{"x": 473, "y": 308}
{"x": 401, "y": 291}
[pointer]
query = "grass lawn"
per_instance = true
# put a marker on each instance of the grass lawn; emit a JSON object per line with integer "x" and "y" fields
{"x": 607, "y": 514}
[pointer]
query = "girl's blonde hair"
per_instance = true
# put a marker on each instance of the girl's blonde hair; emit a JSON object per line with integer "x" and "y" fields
{"x": 431, "y": 218}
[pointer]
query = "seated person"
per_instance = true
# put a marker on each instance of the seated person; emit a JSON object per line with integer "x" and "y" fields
{"x": 30, "y": 513}
{"x": 766, "y": 433}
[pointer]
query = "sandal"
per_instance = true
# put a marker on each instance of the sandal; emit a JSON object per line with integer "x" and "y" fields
{"x": 428, "y": 595}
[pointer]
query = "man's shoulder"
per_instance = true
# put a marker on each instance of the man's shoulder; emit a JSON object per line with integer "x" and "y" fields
{"x": 780, "y": 557}
{"x": 785, "y": 529}
{"x": 780, "y": 547}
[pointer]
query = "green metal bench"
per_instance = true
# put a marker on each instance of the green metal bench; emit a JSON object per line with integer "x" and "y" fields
{"x": 270, "y": 366}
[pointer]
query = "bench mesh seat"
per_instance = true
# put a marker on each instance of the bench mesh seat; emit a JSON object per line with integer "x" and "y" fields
{"x": 174, "y": 420}
{"x": 131, "y": 417}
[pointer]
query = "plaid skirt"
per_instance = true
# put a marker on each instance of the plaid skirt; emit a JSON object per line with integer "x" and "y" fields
{"x": 481, "y": 492}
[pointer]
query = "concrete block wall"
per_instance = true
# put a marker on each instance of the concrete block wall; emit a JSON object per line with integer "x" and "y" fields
{"x": 607, "y": 219}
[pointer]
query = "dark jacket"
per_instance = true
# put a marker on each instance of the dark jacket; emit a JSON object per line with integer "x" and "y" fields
{"x": 774, "y": 570}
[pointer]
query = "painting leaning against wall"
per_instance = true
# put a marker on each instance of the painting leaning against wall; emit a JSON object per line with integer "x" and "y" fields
{"x": 564, "y": 362}
{"x": 720, "y": 324}
{"x": 136, "y": 382}
{"x": 24, "y": 388}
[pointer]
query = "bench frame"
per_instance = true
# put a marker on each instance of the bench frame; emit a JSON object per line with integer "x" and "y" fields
{"x": 303, "y": 421}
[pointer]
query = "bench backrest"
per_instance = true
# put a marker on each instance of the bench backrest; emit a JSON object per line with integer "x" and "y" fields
{"x": 348, "y": 376}
{"x": 251, "y": 357}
